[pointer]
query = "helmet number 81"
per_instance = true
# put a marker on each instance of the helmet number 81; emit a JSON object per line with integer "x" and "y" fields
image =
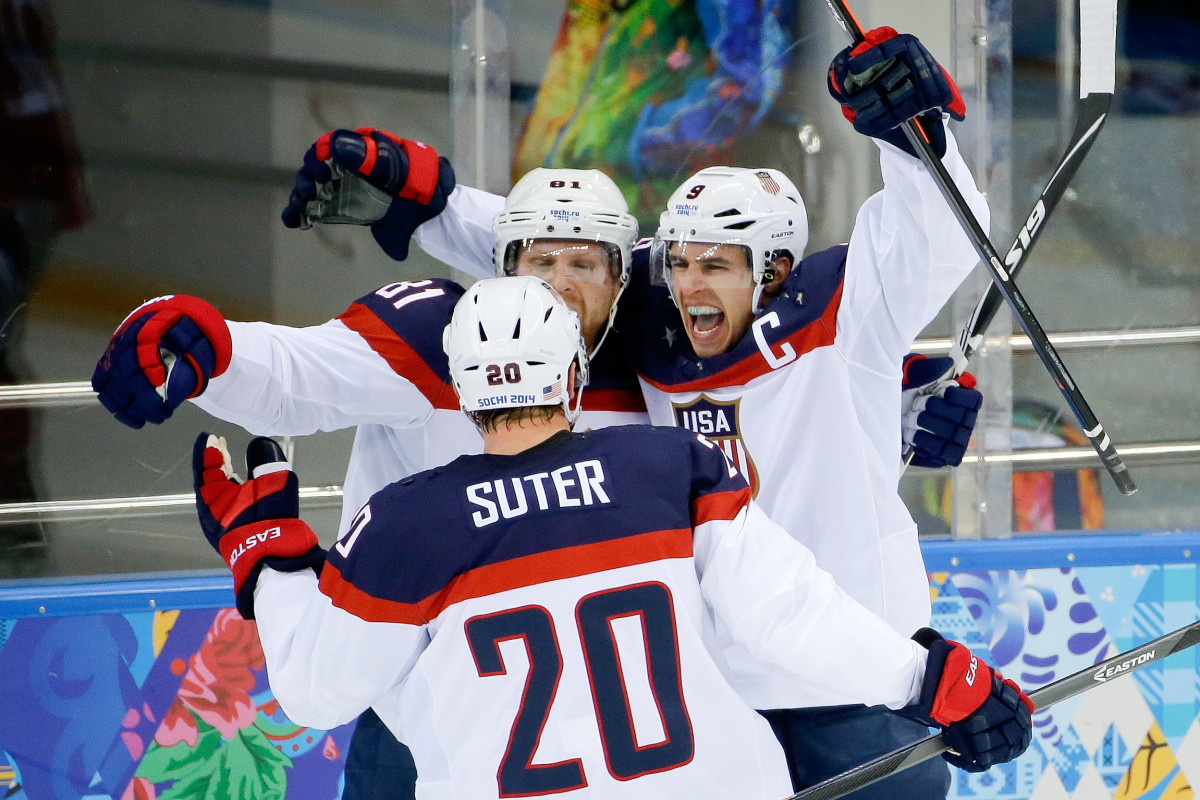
{"x": 561, "y": 184}
{"x": 497, "y": 375}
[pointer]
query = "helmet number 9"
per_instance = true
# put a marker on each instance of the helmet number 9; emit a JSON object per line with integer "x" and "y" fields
{"x": 561, "y": 184}
{"x": 695, "y": 191}
{"x": 510, "y": 373}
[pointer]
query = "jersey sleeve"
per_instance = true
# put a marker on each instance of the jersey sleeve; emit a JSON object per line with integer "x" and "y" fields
{"x": 336, "y": 645}
{"x": 774, "y": 599}
{"x": 907, "y": 255}
{"x": 326, "y": 665}
{"x": 461, "y": 235}
{"x": 378, "y": 362}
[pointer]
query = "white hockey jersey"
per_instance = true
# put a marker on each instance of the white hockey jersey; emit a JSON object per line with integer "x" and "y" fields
{"x": 379, "y": 366}
{"x": 537, "y": 624}
{"x": 808, "y": 403}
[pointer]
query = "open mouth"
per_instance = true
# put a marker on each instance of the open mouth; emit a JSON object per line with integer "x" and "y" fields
{"x": 706, "y": 320}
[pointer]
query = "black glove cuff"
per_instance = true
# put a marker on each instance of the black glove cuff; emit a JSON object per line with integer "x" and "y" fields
{"x": 314, "y": 558}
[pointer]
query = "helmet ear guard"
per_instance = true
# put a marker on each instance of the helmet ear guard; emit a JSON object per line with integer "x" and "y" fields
{"x": 511, "y": 343}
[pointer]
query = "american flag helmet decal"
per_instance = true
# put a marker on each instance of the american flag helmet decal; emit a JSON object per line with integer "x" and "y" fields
{"x": 768, "y": 183}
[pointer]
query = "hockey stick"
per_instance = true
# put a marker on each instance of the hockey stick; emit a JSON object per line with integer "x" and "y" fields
{"x": 1004, "y": 283}
{"x": 924, "y": 749}
{"x": 1097, "y": 77}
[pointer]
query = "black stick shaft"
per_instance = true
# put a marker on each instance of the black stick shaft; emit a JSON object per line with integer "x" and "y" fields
{"x": 931, "y": 746}
{"x": 1093, "y": 111}
{"x": 1003, "y": 281}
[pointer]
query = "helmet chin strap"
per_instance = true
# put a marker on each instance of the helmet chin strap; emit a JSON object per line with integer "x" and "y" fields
{"x": 756, "y": 297}
{"x": 572, "y": 407}
{"x": 622, "y": 282}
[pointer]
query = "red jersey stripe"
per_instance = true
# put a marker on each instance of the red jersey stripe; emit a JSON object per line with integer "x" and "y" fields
{"x": 399, "y": 355}
{"x": 720, "y": 505}
{"x": 567, "y": 562}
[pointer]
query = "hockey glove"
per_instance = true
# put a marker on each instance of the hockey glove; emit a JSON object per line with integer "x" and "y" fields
{"x": 984, "y": 718}
{"x": 254, "y": 523}
{"x": 939, "y": 411}
{"x": 411, "y": 177}
{"x": 165, "y": 352}
{"x": 889, "y": 78}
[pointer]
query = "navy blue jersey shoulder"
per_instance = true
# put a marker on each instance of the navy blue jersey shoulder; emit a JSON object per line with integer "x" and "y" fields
{"x": 573, "y": 490}
{"x": 416, "y": 312}
{"x": 657, "y": 346}
{"x": 609, "y": 369}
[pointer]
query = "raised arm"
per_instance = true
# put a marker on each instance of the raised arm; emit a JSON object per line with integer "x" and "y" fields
{"x": 273, "y": 379}
{"x": 907, "y": 252}
{"x": 296, "y": 381}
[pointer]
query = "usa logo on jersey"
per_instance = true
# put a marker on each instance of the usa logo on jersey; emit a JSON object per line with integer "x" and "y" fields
{"x": 718, "y": 421}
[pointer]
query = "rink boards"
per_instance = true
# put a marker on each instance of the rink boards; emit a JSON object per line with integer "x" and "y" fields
{"x": 153, "y": 687}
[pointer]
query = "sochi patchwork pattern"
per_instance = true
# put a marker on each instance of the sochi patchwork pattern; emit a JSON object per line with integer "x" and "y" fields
{"x": 172, "y": 703}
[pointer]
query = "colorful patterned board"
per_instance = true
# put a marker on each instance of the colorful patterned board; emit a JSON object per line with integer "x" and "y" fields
{"x": 169, "y": 704}
{"x": 173, "y": 703}
{"x": 1129, "y": 738}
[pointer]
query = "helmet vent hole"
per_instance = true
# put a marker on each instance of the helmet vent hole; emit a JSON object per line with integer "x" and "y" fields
{"x": 729, "y": 212}
{"x": 549, "y": 311}
{"x": 737, "y": 226}
{"x": 482, "y": 333}
{"x": 517, "y": 329}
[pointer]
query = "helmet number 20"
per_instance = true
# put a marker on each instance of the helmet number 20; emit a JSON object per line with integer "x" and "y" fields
{"x": 497, "y": 375}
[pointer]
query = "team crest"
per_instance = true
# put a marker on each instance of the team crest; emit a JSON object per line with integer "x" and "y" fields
{"x": 718, "y": 422}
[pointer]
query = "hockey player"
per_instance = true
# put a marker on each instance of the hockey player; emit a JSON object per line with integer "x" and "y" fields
{"x": 285, "y": 381}
{"x": 532, "y": 620}
{"x": 790, "y": 365}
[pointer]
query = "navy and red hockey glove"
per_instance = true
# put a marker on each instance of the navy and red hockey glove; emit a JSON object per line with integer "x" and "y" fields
{"x": 984, "y": 718}
{"x": 165, "y": 352}
{"x": 889, "y": 78}
{"x": 939, "y": 411}
{"x": 255, "y": 523}
{"x": 410, "y": 173}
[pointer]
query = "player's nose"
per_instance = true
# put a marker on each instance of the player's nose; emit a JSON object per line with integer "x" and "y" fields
{"x": 688, "y": 279}
{"x": 562, "y": 278}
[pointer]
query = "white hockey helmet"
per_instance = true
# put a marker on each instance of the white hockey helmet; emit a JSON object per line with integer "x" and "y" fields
{"x": 511, "y": 343}
{"x": 758, "y": 209}
{"x": 572, "y": 204}
{"x": 582, "y": 204}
